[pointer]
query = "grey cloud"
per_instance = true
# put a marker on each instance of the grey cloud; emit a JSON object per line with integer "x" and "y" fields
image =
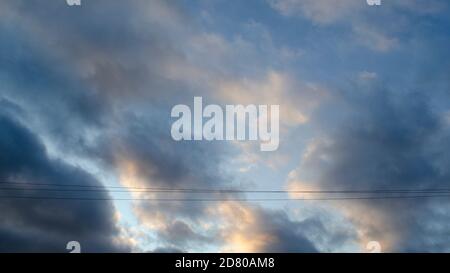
{"x": 288, "y": 235}
{"x": 47, "y": 225}
{"x": 94, "y": 107}
{"x": 180, "y": 234}
{"x": 166, "y": 250}
{"x": 263, "y": 230}
{"x": 386, "y": 139}
{"x": 114, "y": 87}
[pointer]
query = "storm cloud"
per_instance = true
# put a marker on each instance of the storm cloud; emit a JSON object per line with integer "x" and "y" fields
{"x": 86, "y": 94}
{"x": 40, "y": 225}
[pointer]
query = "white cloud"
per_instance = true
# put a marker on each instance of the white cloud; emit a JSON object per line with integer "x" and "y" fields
{"x": 367, "y": 76}
{"x": 353, "y": 12}
{"x": 374, "y": 39}
{"x": 318, "y": 11}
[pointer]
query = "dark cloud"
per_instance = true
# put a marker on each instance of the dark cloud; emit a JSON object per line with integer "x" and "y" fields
{"x": 166, "y": 250}
{"x": 47, "y": 225}
{"x": 94, "y": 82}
{"x": 252, "y": 228}
{"x": 288, "y": 235}
{"x": 110, "y": 104}
{"x": 180, "y": 234}
{"x": 388, "y": 139}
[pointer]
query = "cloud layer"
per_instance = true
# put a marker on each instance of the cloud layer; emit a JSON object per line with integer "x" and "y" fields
{"x": 86, "y": 93}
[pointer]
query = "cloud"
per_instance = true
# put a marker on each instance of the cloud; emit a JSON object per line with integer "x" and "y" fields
{"x": 374, "y": 39}
{"x": 144, "y": 155}
{"x": 253, "y": 229}
{"x": 318, "y": 11}
{"x": 417, "y": 6}
{"x": 47, "y": 225}
{"x": 296, "y": 99}
{"x": 325, "y": 12}
{"x": 180, "y": 233}
{"x": 109, "y": 106}
{"x": 385, "y": 140}
{"x": 367, "y": 76}
{"x": 380, "y": 29}
{"x": 91, "y": 93}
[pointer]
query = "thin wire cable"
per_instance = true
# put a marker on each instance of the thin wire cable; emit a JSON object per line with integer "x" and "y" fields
{"x": 227, "y": 191}
{"x": 204, "y": 190}
{"x": 223, "y": 199}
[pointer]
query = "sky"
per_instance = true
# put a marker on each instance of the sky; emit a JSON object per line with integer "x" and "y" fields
{"x": 86, "y": 94}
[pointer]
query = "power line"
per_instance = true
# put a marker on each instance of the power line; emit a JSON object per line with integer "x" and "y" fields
{"x": 94, "y": 188}
{"x": 228, "y": 191}
{"x": 330, "y": 195}
{"x": 223, "y": 199}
